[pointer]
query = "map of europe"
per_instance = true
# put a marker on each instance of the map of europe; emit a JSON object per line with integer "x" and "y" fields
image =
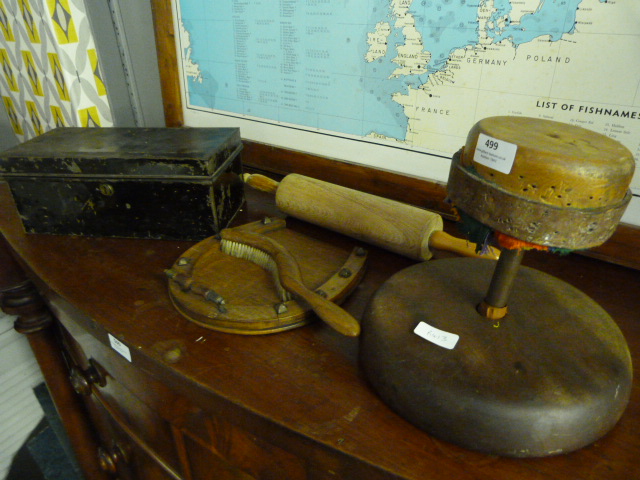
{"x": 414, "y": 75}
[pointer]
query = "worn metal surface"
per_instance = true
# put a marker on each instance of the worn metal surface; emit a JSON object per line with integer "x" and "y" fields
{"x": 555, "y": 163}
{"x": 127, "y": 182}
{"x": 550, "y": 377}
{"x": 531, "y": 220}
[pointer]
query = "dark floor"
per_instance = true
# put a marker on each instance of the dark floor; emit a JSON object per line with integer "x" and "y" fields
{"x": 46, "y": 454}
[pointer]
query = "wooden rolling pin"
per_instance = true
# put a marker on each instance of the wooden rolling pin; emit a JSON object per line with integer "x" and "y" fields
{"x": 395, "y": 226}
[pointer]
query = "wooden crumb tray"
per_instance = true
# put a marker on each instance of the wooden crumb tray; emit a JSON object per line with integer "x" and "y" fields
{"x": 229, "y": 294}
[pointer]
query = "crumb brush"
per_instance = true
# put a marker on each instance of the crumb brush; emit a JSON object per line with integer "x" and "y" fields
{"x": 274, "y": 258}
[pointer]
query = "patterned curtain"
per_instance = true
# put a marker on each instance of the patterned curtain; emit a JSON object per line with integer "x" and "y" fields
{"x": 50, "y": 70}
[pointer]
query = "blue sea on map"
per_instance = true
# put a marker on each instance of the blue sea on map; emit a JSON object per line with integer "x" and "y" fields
{"x": 338, "y": 92}
{"x": 304, "y": 63}
{"x": 553, "y": 17}
{"x": 445, "y": 26}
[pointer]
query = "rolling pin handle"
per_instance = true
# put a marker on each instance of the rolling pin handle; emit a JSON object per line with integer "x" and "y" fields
{"x": 260, "y": 182}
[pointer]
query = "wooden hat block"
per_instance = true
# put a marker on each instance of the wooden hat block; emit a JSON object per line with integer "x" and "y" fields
{"x": 497, "y": 357}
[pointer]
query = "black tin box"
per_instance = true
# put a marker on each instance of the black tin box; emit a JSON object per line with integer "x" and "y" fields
{"x": 165, "y": 183}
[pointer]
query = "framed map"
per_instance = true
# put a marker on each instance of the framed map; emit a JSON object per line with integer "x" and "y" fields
{"x": 397, "y": 84}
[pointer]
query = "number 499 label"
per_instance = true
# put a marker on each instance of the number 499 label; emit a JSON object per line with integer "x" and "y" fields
{"x": 494, "y": 153}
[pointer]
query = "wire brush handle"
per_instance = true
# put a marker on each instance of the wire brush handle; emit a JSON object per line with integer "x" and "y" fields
{"x": 290, "y": 278}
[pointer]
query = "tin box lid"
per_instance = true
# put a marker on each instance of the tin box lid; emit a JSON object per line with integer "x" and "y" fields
{"x": 135, "y": 152}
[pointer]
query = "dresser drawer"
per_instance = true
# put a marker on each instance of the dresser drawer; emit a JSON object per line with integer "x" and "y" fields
{"x": 122, "y": 399}
{"x": 161, "y": 427}
{"x": 122, "y": 453}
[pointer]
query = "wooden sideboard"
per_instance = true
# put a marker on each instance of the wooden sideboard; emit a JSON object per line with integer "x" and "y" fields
{"x": 191, "y": 403}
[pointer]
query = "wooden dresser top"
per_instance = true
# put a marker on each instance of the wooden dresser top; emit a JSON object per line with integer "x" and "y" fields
{"x": 307, "y": 381}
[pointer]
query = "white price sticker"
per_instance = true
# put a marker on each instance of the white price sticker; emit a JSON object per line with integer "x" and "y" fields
{"x": 494, "y": 153}
{"x": 119, "y": 347}
{"x": 437, "y": 336}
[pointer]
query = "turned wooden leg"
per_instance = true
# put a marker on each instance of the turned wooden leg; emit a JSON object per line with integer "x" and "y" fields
{"x": 19, "y": 297}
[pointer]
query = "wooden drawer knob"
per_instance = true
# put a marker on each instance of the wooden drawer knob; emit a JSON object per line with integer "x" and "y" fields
{"x": 109, "y": 459}
{"x": 82, "y": 380}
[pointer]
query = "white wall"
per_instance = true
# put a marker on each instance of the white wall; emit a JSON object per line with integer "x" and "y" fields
{"x": 19, "y": 373}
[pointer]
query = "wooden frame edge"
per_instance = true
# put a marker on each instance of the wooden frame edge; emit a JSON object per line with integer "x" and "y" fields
{"x": 403, "y": 188}
{"x": 167, "y": 62}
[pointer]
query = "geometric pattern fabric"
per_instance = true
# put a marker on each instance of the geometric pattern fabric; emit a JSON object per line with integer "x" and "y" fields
{"x": 50, "y": 75}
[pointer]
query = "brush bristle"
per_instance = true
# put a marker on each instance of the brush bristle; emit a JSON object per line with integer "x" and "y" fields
{"x": 260, "y": 258}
